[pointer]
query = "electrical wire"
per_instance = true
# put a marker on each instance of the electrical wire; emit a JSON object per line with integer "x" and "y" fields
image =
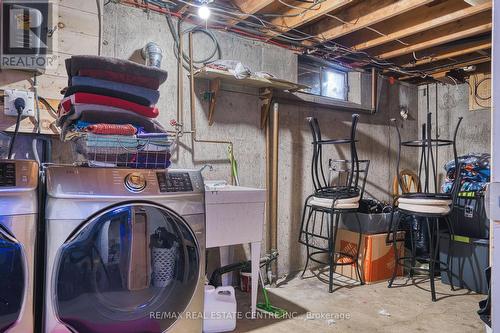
{"x": 35, "y": 93}
{"x": 14, "y": 136}
{"x": 477, "y": 98}
{"x": 476, "y": 87}
{"x": 20, "y": 105}
{"x": 179, "y": 33}
{"x": 328, "y": 49}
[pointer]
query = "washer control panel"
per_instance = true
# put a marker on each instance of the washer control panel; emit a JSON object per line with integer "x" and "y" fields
{"x": 7, "y": 174}
{"x": 174, "y": 182}
{"x": 135, "y": 182}
{"x": 18, "y": 175}
{"x": 70, "y": 181}
{"x": 179, "y": 181}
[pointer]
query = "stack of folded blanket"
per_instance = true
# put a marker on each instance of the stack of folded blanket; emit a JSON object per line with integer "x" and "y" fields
{"x": 109, "y": 108}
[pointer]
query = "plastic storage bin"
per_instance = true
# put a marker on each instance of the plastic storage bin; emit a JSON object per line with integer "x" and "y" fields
{"x": 469, "y": 217}
{"x": 469, "y": 260}
{"x": 371, "y": 224}
{"x": 219, "y": 314}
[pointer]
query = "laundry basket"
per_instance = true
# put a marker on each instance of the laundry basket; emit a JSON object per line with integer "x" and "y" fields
{"x": 164, "y": 265}
{"x": 164, "y": 255}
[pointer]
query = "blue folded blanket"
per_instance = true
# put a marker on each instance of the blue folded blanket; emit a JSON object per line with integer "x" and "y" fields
{"x": 149, "y": 94}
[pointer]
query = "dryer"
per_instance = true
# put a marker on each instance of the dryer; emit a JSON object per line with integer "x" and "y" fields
{"x": 18, "y": 223}
{"x": 125, "y": 250}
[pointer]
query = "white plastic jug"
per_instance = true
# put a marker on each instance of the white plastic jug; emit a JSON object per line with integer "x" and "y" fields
{"x": 219, "y": 310}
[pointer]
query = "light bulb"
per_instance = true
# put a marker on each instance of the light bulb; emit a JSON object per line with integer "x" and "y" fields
{"x": 204, "y": 12}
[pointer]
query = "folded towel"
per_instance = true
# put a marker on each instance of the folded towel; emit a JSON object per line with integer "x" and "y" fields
{"x": 149, "y": 94}
{"x": 94, "y": 66}
{"x": 99, "y": 114}
{"x": 111, "y": 129}
{"x": 151, "y": 135}
{"x": 140, "y": 160}
{"x": 85, "y": 98}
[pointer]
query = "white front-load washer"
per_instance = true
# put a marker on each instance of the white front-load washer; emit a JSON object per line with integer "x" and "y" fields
{"x": 18, "y": 224}
{"x": 125, "y": 250}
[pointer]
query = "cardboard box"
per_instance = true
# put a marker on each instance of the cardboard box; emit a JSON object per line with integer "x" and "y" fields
{"x": 376, "y": 258}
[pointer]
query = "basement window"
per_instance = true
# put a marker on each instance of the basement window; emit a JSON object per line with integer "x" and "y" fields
{"x": 323, "y": 78}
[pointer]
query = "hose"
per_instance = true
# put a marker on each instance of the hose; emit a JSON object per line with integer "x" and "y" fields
{"x": 175, "y": 35}
{"x": 234, "y": 166}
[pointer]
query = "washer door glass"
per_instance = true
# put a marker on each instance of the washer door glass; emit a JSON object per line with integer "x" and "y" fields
{"x": 11, "y": 280}
{"x": 132, "y": 268}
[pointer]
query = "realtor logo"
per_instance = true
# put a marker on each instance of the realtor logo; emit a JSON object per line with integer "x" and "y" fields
{"x": 26, "y": 34}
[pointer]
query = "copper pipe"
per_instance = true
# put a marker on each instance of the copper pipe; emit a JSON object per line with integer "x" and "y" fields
{"x": 274, "y": 192}
{"x": 180, "y": 84}
{"x": 193, "y": 109}
{"x": 374, "y": 90}
{"x": 269, "y": 185}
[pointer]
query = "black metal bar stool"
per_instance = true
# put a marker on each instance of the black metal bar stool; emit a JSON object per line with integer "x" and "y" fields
{"x": 337, "y": 194}
{"x": 429, "y": 206}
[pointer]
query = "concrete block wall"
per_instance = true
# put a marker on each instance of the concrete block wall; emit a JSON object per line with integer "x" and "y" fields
{"x": 453, "y": 102}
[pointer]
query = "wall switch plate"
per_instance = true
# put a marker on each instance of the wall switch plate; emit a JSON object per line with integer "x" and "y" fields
{"x": 10, "y": 96}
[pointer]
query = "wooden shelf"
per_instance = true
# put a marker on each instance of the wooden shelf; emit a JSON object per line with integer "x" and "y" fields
{"x": 252, "y": 81}
{"x": 300, "y": 98}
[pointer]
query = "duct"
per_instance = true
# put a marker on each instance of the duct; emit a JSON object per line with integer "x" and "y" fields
{"x": 153, "y": 54}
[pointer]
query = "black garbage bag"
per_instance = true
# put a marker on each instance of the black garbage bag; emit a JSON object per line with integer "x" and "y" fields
{"x": 417, "y": 226}
{"x": 370, "y": 206}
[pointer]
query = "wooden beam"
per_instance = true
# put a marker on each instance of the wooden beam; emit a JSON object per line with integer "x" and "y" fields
{"x": 360, "y": 16}
{"x": 437, "y": 41}
{"x": 182, "y": 9}
{"x": 446, "y": 55}
{"x": 294, "y": 17}
{"x": 426, "y": 25}
{"x": 441, "y": 72}
{"x": 248, "y": 7}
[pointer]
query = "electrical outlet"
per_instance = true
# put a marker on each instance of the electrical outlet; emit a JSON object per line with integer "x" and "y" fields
{"x": 10, "y": 96}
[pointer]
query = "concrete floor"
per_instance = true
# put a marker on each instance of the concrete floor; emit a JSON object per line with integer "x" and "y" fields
{"x": 368, "y": 308}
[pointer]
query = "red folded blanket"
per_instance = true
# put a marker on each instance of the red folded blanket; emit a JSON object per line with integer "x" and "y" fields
{"x": 111, "y": 129}
{"x": 86, "y": 98}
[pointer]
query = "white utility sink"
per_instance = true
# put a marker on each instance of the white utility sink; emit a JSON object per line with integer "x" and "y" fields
{"x": 235, "y": 215}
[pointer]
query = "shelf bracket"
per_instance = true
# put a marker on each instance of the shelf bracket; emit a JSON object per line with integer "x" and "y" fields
{"x": 214, "y": 91}
{"x": 266, "y": 96}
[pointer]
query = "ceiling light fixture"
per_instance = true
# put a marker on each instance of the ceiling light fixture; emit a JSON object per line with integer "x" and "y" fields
{"x": 204, "y": 12}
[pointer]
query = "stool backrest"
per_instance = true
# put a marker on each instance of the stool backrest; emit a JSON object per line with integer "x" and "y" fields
{"x": 428, "y": 149}
{"x": 320, "y": 182}
{"x": 341, "y": 171}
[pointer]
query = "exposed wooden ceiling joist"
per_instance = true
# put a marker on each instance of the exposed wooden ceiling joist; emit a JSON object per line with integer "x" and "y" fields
{"x": 248, "y": 7}
{"x": 425, "y": 25}
{"x": 445, "y": 55}
{"x": 294, "y": 17}
{"x": 362, "y": 15}
{"x": 437, "y": 41}
{"x": 442, "y": 71}
{"x": 445, "y": 33}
